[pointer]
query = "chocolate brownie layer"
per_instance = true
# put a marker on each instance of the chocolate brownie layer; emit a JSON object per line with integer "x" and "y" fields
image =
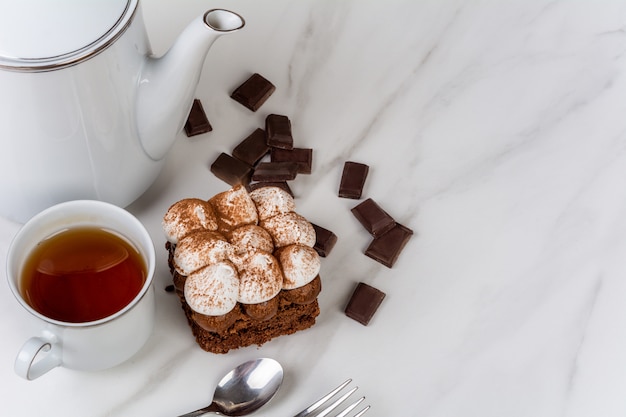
{"x": 240, "y": 328}
{"x": 245, "y": 331}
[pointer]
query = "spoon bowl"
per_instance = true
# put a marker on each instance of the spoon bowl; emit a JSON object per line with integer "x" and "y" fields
{"x": 245, "y": 389}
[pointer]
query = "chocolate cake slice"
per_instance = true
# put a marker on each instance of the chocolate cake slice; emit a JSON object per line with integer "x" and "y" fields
{"x": 244, "y": 267}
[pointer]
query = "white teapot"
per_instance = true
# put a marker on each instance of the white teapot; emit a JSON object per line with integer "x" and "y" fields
{"x": 86, "y": 111}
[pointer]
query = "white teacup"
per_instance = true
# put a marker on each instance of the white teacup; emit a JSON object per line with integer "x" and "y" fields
{"x": 93, "y": 345}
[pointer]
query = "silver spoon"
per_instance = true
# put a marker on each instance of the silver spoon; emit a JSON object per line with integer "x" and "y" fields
{"x": 245, "y": 389}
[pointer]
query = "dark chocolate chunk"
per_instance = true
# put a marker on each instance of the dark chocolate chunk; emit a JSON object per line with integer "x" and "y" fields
{"x": 278, "y": 130}
{"x": 352, "y": 180}
{"x": 170, "y": 288}
{"x": 364, "y": 302}
{"x": 280, "y": 184}
{"x": 253, "y": 148}
{"x": 373, "y": 218}
{"x": 197, "y": 121}
{"x": 387, "y": 247}
{"x": 275, "y": 171}
{"x": 324, "y": 240}
{"x": 231, "y": 170}
{"x": 302, "y": 156}
{"x": 253, "y": 92}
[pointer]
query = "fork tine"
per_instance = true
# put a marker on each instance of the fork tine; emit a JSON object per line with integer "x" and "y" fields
{"x": 351, "y": 407}
{"x": 307, "y": 411}
{"x": 337, "y": 403}
{"x": 360, "y": 413}
{"x": 311, "y": 410}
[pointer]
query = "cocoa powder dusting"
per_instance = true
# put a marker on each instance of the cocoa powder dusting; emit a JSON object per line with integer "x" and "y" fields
{"x": 260, "y": 276}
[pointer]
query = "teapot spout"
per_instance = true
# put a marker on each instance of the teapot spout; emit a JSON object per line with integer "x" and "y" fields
{"x": 167, "y": 84}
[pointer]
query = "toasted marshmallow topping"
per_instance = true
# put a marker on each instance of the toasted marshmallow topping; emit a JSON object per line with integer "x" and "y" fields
{"x": 271, "y": 201}
{"x": 200, "y": 249}
{"x": 187, "y": 216}
{"x": 251, "y": 238}
{"x": 260, "y": 279}
{"x": 234, "y": 208}
{"x": 213, "y": 290}
{"x": 229, "y": 257}
{"x": 301, "y": 264}
{"x": 290, "y": 228}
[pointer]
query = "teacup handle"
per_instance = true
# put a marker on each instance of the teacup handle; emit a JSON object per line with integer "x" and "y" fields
{"x": 27, "y": 363}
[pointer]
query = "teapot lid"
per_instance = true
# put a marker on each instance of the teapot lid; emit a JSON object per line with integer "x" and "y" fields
{"x": 43, "y": 35}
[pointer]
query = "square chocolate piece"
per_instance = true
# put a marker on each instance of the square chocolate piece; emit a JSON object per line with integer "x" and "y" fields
{"x": 253, "y": 148}
{"x": 373, "y": 218}
{"x": 324, "y": 240}
{"x": 353, "y": 180}
{"x": 197, "y": 121}
{"x": 231, "y": 170}
{"x": 278, "y": 128}
{"x": 253, "y": 92}
{"x": 275, "y": 171}
{"x": 302, "y": 156}
{"x": 386, "y": 248}
{"x": 364, "y": 302}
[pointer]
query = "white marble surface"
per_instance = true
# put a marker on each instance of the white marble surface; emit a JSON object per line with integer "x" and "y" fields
{"x": 496, "y": 130}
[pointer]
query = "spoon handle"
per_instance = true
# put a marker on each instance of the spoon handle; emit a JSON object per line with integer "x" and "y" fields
{"x": 213, "y": 408}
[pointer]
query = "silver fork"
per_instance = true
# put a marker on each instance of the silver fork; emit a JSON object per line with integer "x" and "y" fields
{"x": 310, "y": 410}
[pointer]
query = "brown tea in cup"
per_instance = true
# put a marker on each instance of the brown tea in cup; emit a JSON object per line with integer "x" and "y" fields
{"x": 82, "y": 274}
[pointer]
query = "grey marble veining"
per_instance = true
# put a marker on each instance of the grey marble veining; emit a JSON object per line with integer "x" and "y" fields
{"x": 496, "y": 130}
